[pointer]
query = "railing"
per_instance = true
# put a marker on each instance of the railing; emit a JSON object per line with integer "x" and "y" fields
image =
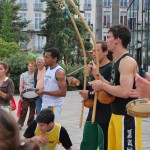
{"x": 33, "y": 27}
{"x": 87, "y": 6}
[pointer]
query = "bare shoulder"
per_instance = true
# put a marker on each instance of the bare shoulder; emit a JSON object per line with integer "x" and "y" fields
{"x": 60, "y": 73}
{"x": 128, "y": 64}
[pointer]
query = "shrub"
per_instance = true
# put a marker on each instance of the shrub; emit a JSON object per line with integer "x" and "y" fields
{"x": 6, "y": 49}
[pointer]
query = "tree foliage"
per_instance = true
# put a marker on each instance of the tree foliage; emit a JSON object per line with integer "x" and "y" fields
{"x": 10, "y": 23}
{"x": 6, "y": 29}
{"x": 60, "y": 33}
{"x": 6, "y": 49}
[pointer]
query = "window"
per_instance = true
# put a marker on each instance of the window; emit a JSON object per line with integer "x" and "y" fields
{"x": 38, "y": 19}
{"x": 146, "y": 4}
{"x": 87, "y": 17}
{"x": 38, "y": 43}
{"x": 106, "y": 3}
{"x": 87, "y": 1}
{"x": 87, "y": 5}
{"x": 132, "y": 23}
{"x": 106, "y": 21}
{"x": 104, "y": 38}
{"x": 123, "y": 3}
{"x": 38, "y": 4}
{"x": 23, "y": 3}
{"x": 23, "y": 17}
{"x": 123, "y": 20}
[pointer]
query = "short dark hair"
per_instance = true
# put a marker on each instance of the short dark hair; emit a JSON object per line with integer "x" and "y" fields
{"x": 45, "y": 116}
{"x": 122, "y": 32}
{"x": 54, "y": 53}
{"x": 104, "y": 49}
{"x": 103, "y": 45}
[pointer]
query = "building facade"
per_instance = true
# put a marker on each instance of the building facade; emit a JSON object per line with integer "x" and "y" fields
{"x": 139, "y": 23}
{"x": 102, "y": 14}
{"x": 99, "y": 14}
{"x": 32, "y": 10}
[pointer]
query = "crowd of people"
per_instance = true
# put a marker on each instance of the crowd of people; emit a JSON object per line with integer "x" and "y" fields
{"x": 113, "y": 128}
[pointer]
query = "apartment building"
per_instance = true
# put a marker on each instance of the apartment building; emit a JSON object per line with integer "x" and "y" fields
{"x": 139, "y": 23}
{"x": 102, "y": 14}
{"x": 32, "y": 10}
{"x": 99, "y": 14}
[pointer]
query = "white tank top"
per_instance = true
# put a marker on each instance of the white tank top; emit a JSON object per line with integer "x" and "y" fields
{"x": 51, "y": 84}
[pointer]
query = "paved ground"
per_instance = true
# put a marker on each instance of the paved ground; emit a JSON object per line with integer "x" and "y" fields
{"x": 70, "y": 117}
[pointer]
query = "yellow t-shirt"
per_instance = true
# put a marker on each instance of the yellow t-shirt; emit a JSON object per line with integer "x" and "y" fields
{"x": 52, "y": 135}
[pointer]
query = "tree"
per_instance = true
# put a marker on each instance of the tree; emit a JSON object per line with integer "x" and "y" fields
{"x": 6, "y": 49}
{"x": 10, "y": 23}
{"x": 60, "y": 33}
{"x": 6, "y": 29}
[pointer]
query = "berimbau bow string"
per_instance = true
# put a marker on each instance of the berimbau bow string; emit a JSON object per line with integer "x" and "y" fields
{"x": 84, "y": 53}
{"x": 97, "y": 59}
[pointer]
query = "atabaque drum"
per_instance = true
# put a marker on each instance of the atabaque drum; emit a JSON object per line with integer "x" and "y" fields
{"x": 139, "y": 108}
{"x": 104, "y": 97}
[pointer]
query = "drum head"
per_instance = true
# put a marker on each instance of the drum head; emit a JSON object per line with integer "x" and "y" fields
{"x": 29, "y": 93}
{"x": 139, "y": 108}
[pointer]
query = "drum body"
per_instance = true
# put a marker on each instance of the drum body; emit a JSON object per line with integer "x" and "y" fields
{"x": 88, "y": 103}
{"x": 29, "y": 94}
{"x": 105, "y": 97}
{"x": 139, "y": 108}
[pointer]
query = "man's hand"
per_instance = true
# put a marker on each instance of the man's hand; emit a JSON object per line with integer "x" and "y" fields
{"x": 70, "y": 81}
{"x": 41, "y": 139}
{"x": 84, "y": 94}
{"x": 40, "y": 91}
{"x": 142, "y": 87}
{"x": 96, "y": 85}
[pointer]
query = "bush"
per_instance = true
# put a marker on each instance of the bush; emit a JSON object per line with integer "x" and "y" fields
{"x": 6, "y": 49}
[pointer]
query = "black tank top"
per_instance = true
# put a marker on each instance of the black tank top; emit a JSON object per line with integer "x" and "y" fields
{"x": 103, "y": 111}
{"x": 119, "y": 105}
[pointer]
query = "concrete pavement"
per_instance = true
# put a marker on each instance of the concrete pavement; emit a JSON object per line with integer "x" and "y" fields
{"x": 70, "y": 117}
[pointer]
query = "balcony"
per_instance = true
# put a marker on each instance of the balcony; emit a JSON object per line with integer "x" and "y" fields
{"x": 33, "y": 28}
{"x": 38, "y": 7}
{"x": 23, "y": 6}
{"x": 87, "y": 7}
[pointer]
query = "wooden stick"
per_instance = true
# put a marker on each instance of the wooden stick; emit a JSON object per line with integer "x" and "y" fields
{"x": 84, "y": 52}
{"x": 97, "y": 59}
{"x": 75, "y": 71}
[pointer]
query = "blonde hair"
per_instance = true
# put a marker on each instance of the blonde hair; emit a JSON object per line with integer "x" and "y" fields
{"x": 39, "y": 58}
